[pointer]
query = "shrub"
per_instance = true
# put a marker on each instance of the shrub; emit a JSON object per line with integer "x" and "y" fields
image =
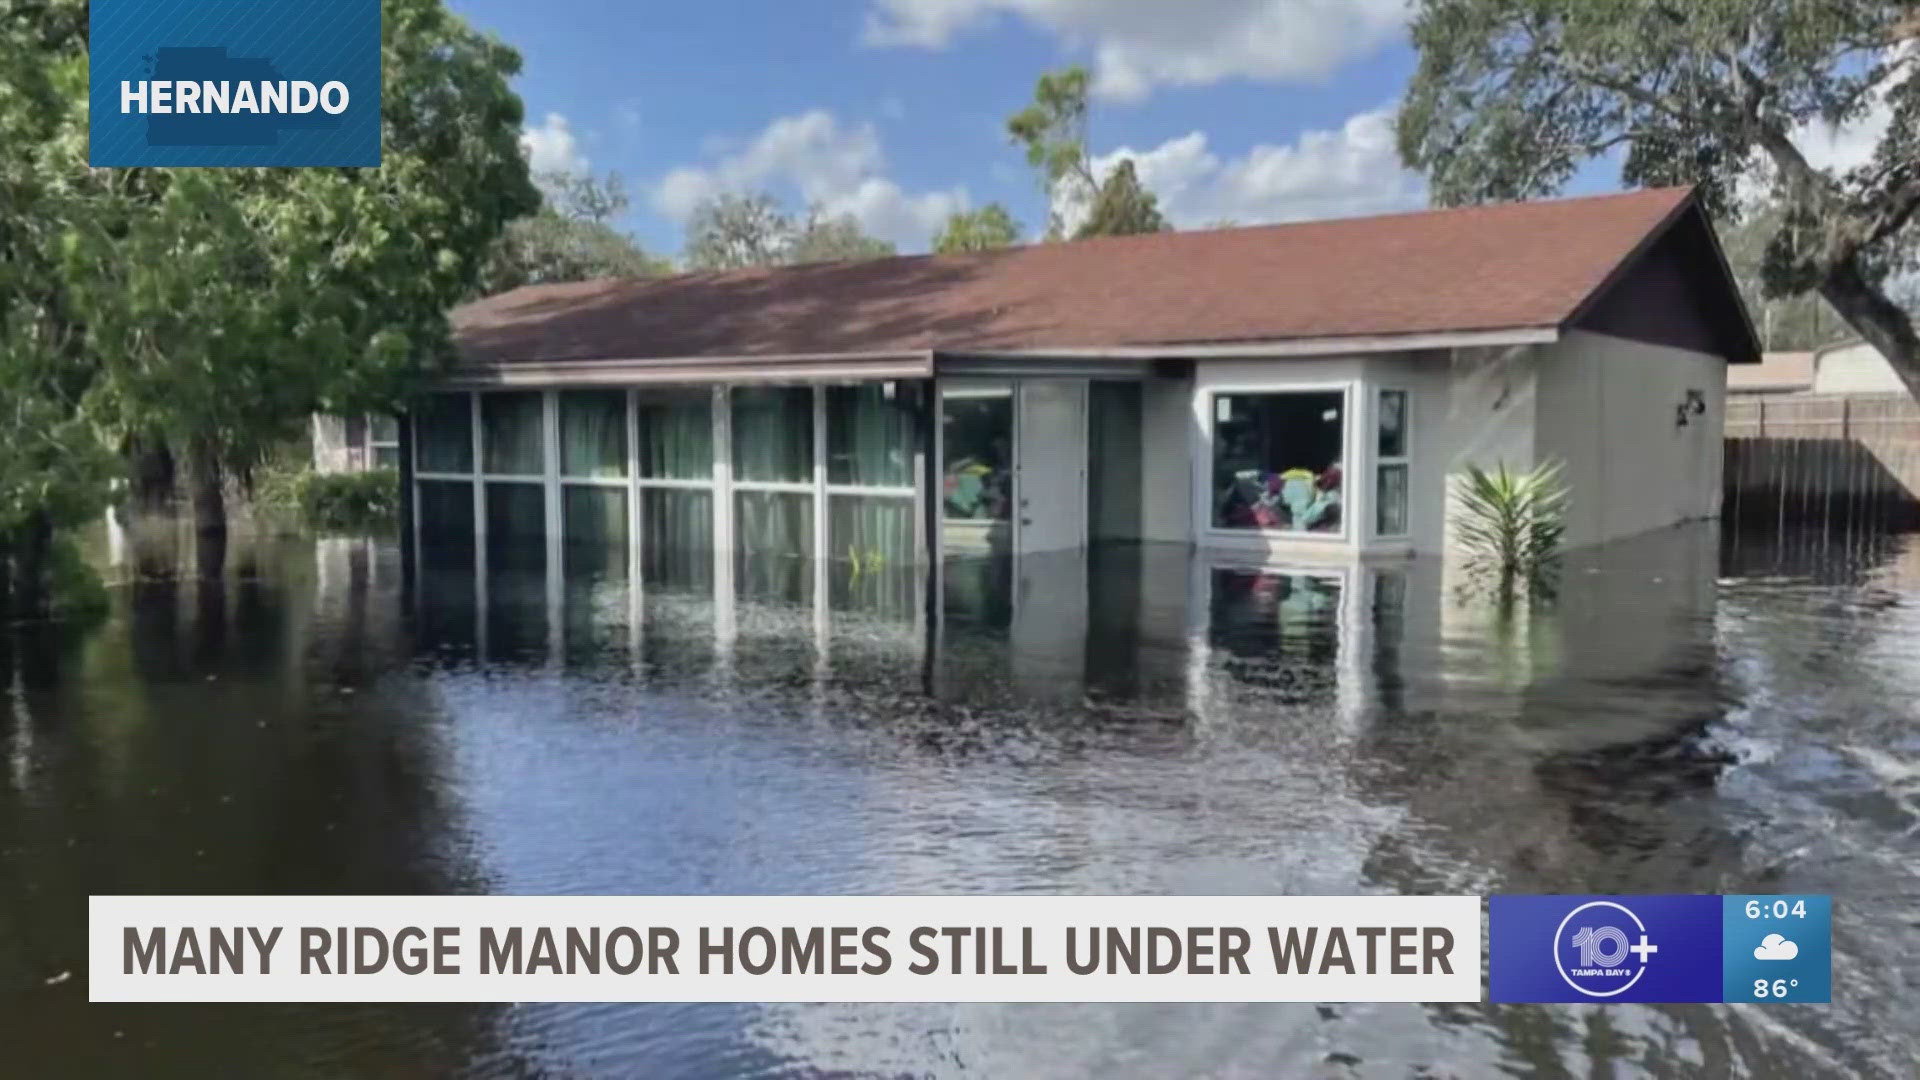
{"x": 1512, "y": 526}
{"x": 349, "y": 502}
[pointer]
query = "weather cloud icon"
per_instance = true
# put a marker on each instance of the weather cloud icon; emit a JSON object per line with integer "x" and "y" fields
{"x": 1775, "y": 947}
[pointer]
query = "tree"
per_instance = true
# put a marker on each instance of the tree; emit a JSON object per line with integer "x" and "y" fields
{"x": 1798, "y": 322}
{"x": 731, "y": 231}
{"x": 1122, "y": 208}
{"x": 222, "y": 307}
{"x": 832, "y": 238}
{"x": 54, "y": 470}
{"x": 570, "y": 238}
{"x": 1053, "y": 129}
{"x": 1510, "y": 98}
{"x": 977, "y": 230}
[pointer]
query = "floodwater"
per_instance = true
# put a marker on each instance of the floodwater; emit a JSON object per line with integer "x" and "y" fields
{"x": 1698, "y": 713}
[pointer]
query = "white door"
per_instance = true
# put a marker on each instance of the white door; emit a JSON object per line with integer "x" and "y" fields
{"x": 1050, "y": 471}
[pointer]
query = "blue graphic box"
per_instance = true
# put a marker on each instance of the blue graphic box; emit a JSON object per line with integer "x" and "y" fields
{"x": 1778, "y": 948}
{"x": 234, "y": 83}
{"x": 1600, "y": 949}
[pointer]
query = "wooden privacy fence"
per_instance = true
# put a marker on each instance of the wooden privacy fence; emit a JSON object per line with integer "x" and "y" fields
{"x": 1818, "y": 457}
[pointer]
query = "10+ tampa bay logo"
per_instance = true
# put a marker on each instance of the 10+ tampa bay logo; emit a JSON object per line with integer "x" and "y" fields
{"x": 1604, "y": 948}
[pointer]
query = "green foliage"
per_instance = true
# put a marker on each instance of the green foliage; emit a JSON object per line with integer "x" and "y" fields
{"x": 1053, "y": 130}
{"x": 1512, "y": 525}
{"x": 1797, "y": 322}
{"x": 977, "y": 230}
{"x": 1123, "y": 207}
{"x": 215, "y": 309}
{"x": 54, "y": 470}
{"x": 350, "y": 502}
{"x": 831, "y": 238}
{"x": 731, "y": 231}
{"x": 224, "y": 306}
{"x": 570, "y": 238}
{"x": 1510, "y": 99}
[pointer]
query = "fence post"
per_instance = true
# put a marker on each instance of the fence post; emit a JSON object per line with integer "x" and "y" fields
{"x": 1846, "y": 419}
{"x": 1762, "y": 402}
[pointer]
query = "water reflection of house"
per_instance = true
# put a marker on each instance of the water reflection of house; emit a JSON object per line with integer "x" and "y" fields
{"x": 1292, "y": 393}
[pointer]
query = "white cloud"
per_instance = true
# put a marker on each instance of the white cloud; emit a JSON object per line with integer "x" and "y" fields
{"x": 839, "y": 167}
{"x": 1140, "y": 44}
{"x": 1341, "y": 173}
{"x": 1775, "y": 947}
{"x": 552, "y": 147}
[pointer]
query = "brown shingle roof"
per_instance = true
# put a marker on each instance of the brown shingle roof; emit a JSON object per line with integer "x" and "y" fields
{"x": 1507, "y": 266}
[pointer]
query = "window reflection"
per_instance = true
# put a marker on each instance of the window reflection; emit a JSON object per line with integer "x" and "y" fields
{"x": 978, "y": 447}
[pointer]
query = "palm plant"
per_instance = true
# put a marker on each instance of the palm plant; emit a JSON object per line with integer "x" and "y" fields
{"x": 1512, "y": 525}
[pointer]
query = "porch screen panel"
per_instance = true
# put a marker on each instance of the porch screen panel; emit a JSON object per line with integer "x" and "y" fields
{"x": 445, "y": 512}
{"x": 444, "y": 428}
{"x": 773, "y": 535}
{"x": 870, "y": 439}
{"x": 676, "y": 541}
{"x": 676, "y": 434}
{"x": 773, "y": 434}
{"x": 512, "y": 434}
{"x": 1276, "y": 461}
{"x": 873, "y": 553}
{"x": 594, "y": 523}
{"x": 593, "y": 434}
{"x": 516, "y": 526}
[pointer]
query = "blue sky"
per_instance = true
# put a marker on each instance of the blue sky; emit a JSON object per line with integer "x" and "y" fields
{"x": 893, "y": 110}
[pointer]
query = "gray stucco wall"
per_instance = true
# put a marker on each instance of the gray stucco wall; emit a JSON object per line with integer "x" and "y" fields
{"x": 1607, "y": 407}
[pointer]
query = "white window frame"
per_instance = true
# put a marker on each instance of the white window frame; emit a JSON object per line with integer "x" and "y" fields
{"x": 1220, "y": 536}
{"x": 1382, "y": 461}
{"x": 374, "y": 446}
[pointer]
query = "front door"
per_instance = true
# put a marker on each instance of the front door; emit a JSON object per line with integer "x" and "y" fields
{"x": 1050, "y": 450}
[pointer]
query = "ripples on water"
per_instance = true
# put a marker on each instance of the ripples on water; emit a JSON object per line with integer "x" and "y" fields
{"x": 1697, "y": 714}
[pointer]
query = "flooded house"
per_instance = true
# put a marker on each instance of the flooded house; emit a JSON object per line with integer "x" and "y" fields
{"x": 1294, "y": 394}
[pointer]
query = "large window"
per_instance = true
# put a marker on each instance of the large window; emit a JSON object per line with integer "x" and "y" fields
{"x": 1390, "y": 465}
{"x": 817, "y": 473}
{"x": 1276, "y": 461}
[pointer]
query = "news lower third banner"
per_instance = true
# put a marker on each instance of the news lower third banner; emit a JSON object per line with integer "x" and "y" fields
{"x": 1595, "y": 949}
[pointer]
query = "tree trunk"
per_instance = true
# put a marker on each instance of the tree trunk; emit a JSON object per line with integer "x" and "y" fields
{"x": 33, "y": 569}
{"x": 1877, "y": 319}
{"x": 151, "y": 473}
{"x": 207, "y": 492}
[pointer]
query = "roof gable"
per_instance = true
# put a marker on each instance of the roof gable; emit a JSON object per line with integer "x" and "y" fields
{"x": 1510, "y": 266}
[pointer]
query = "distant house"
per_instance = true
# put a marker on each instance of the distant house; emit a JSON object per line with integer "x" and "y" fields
{"x": 1854, "y": 367}
{"x": 1850, "y": 367}
{"x": 1300, "y": 391}
{"x": 355, "y": 443}
{"x": 1776, "y": 373}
